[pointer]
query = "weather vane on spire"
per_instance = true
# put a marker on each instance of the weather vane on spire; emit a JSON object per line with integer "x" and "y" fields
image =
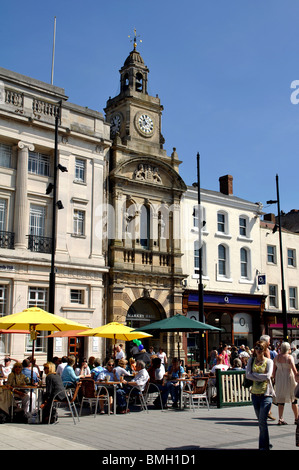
{"x": 135, "y": 39}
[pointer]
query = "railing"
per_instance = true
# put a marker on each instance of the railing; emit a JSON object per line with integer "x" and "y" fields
{"x": 230, "y": 391}
{"x": 7, "y": 240}
{"x": 39, "y": 244}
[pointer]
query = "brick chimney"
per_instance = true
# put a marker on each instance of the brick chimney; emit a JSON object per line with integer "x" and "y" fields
{"x": 226, "y": 184}
{"x": 270, "y": 218}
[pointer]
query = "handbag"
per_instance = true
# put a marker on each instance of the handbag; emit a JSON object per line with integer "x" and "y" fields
{"x": 247, "y": 383}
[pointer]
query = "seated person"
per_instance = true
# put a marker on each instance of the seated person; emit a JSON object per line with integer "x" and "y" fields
{"x": 140, "y": 380}
{"x": 219, "y": 365}
{"x": 54, "y": 386}
{"x": 105, "y": 376}
{"x": 172, "y": 386}
{"x": 16, "y": 379}
{"x": 95, "y": 372}
{"x": 132, "y": 365}
{"x": 27, "y": 371}
{"x": 83, "y": 368}
{"x": 120, "y": 369}
{"x": 156, "y": 371}
{"x": 237, "y": 364}
{"x": 69, "y": 378}
{"x": 7, "y": 367}
{"x": 62, "y": 365}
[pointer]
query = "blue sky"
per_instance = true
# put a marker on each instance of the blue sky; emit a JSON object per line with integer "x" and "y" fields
{"x": 222, "y": 69}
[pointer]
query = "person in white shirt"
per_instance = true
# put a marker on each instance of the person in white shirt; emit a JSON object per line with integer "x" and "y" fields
{"x": 140, "y": 381}
{"x": 119, "y": 353}
{"x": 61, "y": 366}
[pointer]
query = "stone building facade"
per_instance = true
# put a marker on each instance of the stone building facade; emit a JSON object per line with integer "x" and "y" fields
{"x": 145, "y": 192}
{"x": 28, "y": 111}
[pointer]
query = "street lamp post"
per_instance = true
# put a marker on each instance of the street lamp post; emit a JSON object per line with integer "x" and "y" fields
{"x": 56, "y": 204}
{"x": 200, "y": 285}
{"x": 283, "y": 294}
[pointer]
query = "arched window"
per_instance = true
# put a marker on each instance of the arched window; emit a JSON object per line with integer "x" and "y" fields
{"x": 139, "y": 82}
{"x": 145, "y": 227}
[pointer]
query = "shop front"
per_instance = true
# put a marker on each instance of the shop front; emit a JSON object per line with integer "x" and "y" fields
{"x": 238, "y": 317}
{"x": 274, "y": 325}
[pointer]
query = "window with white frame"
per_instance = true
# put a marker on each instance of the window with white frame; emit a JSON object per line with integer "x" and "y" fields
{"x": 3, "y": 207}
{"x": 80, "y": 170}
{"x": 195, "y": 216}
{"x": 4, "y": 339}
{"x": 39, "y": 164}
{"x": 196, "y": 257}
{"x": 244, "y": 260}
{"x": 79, "y": 222}
{"x": 37, "y": 219}
{"x": 291, "y": 257}
{"x": 221, "y": 222}
{"x": 77, "y": 296}
{"x": 243, "y": 226}
{"x": 273, "y": 295}
{"x": 271, "y": 254}
{"x": 5, "y": 155}
{"x": 3, "y": 300}
{"x": 37, "y": 297}
{"x": 293, "y": 297}
{"x": 222, "y": 260}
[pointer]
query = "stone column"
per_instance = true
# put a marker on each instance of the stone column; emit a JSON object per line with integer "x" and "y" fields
{"x": 21, "y": 220}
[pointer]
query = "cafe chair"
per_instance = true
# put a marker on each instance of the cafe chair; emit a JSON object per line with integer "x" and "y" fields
{"x": 136, "y": 393}
{"x": 198, "y": 393}
{"x": 69, "y": 400}
{"x": 91, "y": 396}
{"x": 153, "y": 389}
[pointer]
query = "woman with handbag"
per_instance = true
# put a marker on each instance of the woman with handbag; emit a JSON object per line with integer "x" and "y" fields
{"x": 259, "y": 370}
{"x": 285, "y": 375}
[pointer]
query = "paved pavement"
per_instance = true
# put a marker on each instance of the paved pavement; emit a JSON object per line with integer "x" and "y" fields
{"x": 171, "y": 431}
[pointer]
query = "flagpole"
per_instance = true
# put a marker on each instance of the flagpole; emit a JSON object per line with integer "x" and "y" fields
{"x": 53, "y": 52}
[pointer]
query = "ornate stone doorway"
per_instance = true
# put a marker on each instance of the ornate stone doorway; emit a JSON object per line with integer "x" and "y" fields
{"x": 141, "y": 313}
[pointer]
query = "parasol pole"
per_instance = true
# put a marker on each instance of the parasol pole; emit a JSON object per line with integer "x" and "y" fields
{"x": 33, "y": 337}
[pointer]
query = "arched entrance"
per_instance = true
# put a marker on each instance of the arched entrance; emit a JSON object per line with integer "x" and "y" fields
{"x": 142, "y": 312}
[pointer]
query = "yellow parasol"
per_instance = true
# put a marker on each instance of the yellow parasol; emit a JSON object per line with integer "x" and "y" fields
{"x": 116, "y": 331}
{"x": 36, "y": 319}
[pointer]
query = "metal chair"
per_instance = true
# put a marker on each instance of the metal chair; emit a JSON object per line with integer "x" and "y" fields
{"x": 69, "y": 400}
{"x": 153, "y": 389}
{"x": 141, "y": 395}
{"x": 198, "y": 392}
{"x": 92, "y": 396}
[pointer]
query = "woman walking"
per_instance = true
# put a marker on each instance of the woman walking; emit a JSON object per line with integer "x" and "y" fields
{"x": 284, "y": 374}
{"x": 259, "y": 370}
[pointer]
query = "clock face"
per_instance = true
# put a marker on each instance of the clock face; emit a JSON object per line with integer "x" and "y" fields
{"x": 115, "y": 123}
{"x": 145, "y": 124}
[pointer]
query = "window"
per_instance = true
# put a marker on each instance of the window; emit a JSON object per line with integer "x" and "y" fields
{"x": 39, "y": 164}
{"x": 5, "y": 155}
{"x": 272, "y": 295}
{"x": 271, "y": 254}
{"x": 293, "y": 297}
{"x": 196, "y": 257}
{"x": 2, "y": 215}
{"x": 222, "y": 260}
{"x": 37, "y": 220}
{"x": 3, "y": 296}
{"x": 79, "y": 222}
{"x": 221, "y": 222}
{"x": 80, "y": 170}
{"x": 145, "y": 227}
{"x": 195, "y": 216}
{"x": 77, "y": 296}
{"x": 243, "y": 226}
{"x": 291, "y": 257}
{"x": 244, "y": 262}
{"x": 37, "y": 297}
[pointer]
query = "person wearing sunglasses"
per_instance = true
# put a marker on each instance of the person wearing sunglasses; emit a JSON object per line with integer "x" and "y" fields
{"x": 259, "y": 370}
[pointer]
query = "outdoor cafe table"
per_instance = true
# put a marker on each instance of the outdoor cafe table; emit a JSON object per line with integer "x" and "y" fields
{"x": 104, "y": 384}
{"x": 38, "y": 388}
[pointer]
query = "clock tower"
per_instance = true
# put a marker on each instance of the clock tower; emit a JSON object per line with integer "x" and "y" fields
{"x": 145, "y": 191}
